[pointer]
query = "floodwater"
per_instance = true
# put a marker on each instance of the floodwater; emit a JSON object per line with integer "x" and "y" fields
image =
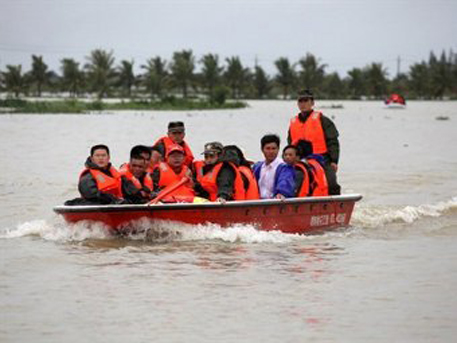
{"x": 391, "y": 276}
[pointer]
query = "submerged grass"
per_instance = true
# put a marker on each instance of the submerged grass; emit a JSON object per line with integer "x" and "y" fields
{"x": 77, "y": 106}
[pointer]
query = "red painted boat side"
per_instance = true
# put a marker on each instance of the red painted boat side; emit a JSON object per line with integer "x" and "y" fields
{"x": 297, "y": 215}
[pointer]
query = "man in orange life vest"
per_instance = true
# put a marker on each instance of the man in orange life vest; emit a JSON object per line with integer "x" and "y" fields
{"x": 176, "y": 134}
{"x": 136, "y": 181}
{"x": 311, "y": 130}
{"x": 218, "y": 179}
{"x": 172, "y": 171}
{"x": 99, "y": 182}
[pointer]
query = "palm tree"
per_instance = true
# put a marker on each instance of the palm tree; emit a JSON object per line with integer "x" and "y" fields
{"x": 211, "y": 72}
{"x": 440, "y": 75}
{"x": 235, "y": 75}
{"x": 286, "y": 75}
{"x": 182, "y": 69}
{"x": 356, "y": 83}
{"x": 334, "y": 87}
{"x": 419, "y": 79}
{"x": 14, "y": 81}
{"x": 156, "y": 77}
{"x": 262, "y": 83}
{"x": 72, "y": 76}
{"x": 376, "y": 77}
{"x": 312, "y": 72}
{"x": 126, "y": 76}
{"x": 39, "y": 75}
{"x": 100, "y": 71}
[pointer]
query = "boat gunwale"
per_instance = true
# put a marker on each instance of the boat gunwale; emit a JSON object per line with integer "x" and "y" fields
{"x": 183, "y": 206}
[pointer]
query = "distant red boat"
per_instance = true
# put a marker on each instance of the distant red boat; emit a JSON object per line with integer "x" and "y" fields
{"x": 294, "y": 215}
{"x": 395, "y": 101}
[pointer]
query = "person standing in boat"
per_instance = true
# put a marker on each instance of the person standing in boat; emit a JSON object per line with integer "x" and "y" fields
{"x": 217, "y": 176}
{"x": 312, "y": 128}
{"x": 171, "y": 172}
{"x": 265, "y": 171}
{"x": 136, "y": 181}
{"x": 99, "y": 182}
{"x": 175, "y": 135}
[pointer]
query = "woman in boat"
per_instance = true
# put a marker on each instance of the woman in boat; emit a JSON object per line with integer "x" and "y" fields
{"x": 249, "y": 181}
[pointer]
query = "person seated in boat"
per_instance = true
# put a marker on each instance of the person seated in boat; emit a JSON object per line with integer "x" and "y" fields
{"x": 249, "y": 181}
{"x": 315, "y": 165}
{"x": 265, "y": 171}
{"x": 156, "y": 158}
{"x": 136, "y": 181}
{"x": 217, "y": 176}
{"x": 285, "y": 181}
{"x": 171, "y": 172}
{"x": 175, "y": 135}
{"x": 99, "y": 182}
{"x": 292, "y": 177}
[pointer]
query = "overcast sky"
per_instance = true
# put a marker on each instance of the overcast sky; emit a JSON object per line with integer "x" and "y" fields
{"x": 342, "y": 34}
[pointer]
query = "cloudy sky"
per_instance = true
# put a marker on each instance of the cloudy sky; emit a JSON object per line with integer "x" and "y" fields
{"x": 342, "y": 34}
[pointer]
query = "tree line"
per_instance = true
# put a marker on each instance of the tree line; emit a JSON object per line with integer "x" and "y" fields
{"x": 218, "y": 79}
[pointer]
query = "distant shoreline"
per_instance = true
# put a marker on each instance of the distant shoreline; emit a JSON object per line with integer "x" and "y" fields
{"x": 81, "y": 106}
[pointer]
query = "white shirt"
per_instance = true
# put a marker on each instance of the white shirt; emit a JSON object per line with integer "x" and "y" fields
{"x": 267, "y": 178}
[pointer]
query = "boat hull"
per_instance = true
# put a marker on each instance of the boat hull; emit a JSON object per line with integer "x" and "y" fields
{"x": 297, "y": 215}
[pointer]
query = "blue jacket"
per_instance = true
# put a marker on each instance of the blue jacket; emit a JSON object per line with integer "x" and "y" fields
{"x": 256, "y": 169}
{"x": 285, "y": 181}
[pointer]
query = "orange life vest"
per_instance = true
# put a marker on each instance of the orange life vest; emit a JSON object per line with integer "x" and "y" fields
{"x": 304, "y": 188}
{"x": 197, "y": 168}
{"x": 169, "y": 177}
{"x": 252, "y": 192}
{"x": 167, "y": 142}
{"x": 124, "y": 170}
{"x": 209, "y": 182}
{"x": 105, "y": 183}
{"x": 311, "y": 130}
{"x": 320, "y": 179}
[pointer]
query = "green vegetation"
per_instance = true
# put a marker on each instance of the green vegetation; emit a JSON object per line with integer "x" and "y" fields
{"x": 77, "y": 106}
{"x": 185, "y": 77}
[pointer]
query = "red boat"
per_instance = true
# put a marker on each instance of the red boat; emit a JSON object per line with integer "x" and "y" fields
{"x": 294, "y": 215}
{"x": 395, "y": 101}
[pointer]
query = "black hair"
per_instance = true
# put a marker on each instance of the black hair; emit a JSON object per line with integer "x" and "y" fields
{"x": 305, "y": 148}
{"x": 270, "y": 138}
{"x": 175, "y": 125}
{"x": 137, "y": 150}
{"x": 290, "y": 146}
{"x": 305, "y": 93}
{"x": 98, "y": 147}
{"x": 232, "y": 153}
{"x": 155, "y": 148}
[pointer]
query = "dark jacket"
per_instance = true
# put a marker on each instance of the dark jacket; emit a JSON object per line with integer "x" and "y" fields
{"x": 134, "y": 195}
{"x": 225, "y": 182}
{"x": 331, "y": 137}
{"x": 90, "y": 195}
